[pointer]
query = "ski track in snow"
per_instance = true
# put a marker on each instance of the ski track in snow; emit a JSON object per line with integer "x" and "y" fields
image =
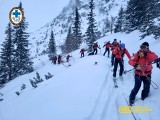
{"x": 109, "y": 99}
{"x": 106, "y": 100}
{"x": 98, "y": 100}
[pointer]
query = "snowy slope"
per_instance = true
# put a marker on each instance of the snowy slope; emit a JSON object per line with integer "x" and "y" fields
{"x": 104, "y": 10}
{"x": 47, "y": 16}
{"x": 84, "y": 91}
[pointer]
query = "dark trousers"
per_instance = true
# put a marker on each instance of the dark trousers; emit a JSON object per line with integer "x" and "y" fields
{"x": 120, "y": 62}
{"x": 82, "y": 54}
{"x": 54, "y": 61}
{"x": 95, "y": 51}
{"x": 137, "y": 85}
{"x": 112, "y": 59}
{"x": 59, "y": 61}
{"x": 107, "y": 50}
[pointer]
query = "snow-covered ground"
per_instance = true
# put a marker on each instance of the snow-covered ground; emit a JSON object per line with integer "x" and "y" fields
{"x": 83, "y": 91}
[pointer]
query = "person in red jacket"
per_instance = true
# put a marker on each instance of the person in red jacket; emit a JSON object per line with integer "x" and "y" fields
{"x": 119, "y": 54}
{"x": 142, "y": 71}
{"x": 113, "y": 46}
{"x": 67, "y": 58}
{"x": 107, "y": 46}
{"x": 82, "y": 52}
{"x": 95, "y": 46}
{"x": 54, "y": 59}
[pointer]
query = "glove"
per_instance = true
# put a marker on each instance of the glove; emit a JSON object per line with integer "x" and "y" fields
{"x": 135, "y": 66}
{"x": 138, "y": 67}
{"x": 158, "y": 60}
{"x": 141, "y": 54}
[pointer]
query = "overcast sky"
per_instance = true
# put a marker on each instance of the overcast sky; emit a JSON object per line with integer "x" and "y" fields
{"x": 37, "y": 12}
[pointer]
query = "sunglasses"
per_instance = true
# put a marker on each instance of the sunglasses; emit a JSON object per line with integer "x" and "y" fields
{"x": 143, "y": 47}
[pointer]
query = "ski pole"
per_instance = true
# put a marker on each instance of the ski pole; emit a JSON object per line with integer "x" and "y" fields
{"x": 126, "y": 71}
{"x": 154, "y": 85}
{"x": 64, "y": 64}
{"x": 148, "y": 78}
{"x": 99, "y": 48}
{"x": 149, "y": 63}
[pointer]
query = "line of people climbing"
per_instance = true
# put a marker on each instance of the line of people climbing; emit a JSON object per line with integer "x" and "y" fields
{"x": 59, "y": 59}
{"x": 108, "y": 46}
{"x": 139, "y": 60}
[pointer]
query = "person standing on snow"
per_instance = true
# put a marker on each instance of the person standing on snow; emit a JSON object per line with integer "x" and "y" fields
{"x": 119, "y": 54}
{"x": 82, "y": 52}
{"x": 54, "y": 59}
{"x": 67, "y": 58}
{"x": 143, "y": 71}
{"x": 59, "y": 59}
{"x": 107, "y": 46}
{"x": 113, "y": 46}
{"x": 95, "y": 46}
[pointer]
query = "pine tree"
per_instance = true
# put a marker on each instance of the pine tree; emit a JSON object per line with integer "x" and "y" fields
{"x": 91, "y": 32}
{"x": 69, "y": 43}
{"x": 33, "y": 83}
{"x": 23, "y": 86}
{"x": 120, "y": 21}
{"x": 77, "y": 30}
{"x": 38, "y": 79}
{"x": 7, "y": 72}
{"x": 48, "y": 76}
{"x": 51, "y": 47}
{"x": 157, "y": 29}
{"x": 112, "y": 24}
{"x": 135, "y": 14}
{"x": 22, "y": 58}
{"x": 152, "y": 13}
{"x": 77, "y": 3}
{"x": 106, "y": 26}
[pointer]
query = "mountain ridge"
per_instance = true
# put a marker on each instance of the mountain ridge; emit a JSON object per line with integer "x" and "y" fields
{"x": 104, "y": 10}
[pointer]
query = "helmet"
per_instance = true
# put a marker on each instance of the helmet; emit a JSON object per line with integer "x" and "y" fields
{"x": 122, "y": 45}
{"x": 115, "y": 40}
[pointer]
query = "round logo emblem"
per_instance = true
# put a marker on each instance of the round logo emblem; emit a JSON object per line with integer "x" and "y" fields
{"x": 16, "y": 16}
